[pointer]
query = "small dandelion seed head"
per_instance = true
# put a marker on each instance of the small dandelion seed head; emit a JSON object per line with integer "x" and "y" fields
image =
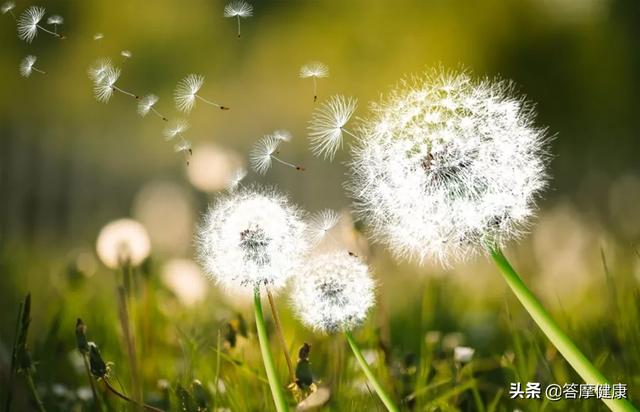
{"x": 146, "y": 104}
{"x": 314, "y": 69}
{"x": 98, "y": 36}
{"x": 236, "y": 178}
{"x": 447, "y": 165}
{"x": 104, "y": 84}
{"x": 320, "y": 224}
{"x": 327, "y": 121}
{"x": 99, "y": 69}
{"x": 238, "y": 8}
{"x": 126, "y": 54}
{"x": 7, "y": 6}
{"x": 260, "y": 155}
{"x": 28, "y": 23}
{"x": 185, "y": 93}
{"x": 175, "y": 128}
{"x": 253, "y": 237}
{"x": 282, "y": 134}
{"x": 55, "y": 19}
{"x": 333, "y": 292}
{"x": 123, "y": 241}
{"x": 26, "y": 65}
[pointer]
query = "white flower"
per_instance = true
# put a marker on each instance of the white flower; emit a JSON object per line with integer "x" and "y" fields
{"x": 282, "y": 134}
{"x": 238, "y": 8}
{"x": 260, "y": 156}
{"x": 236, "y": 179}
{"x": 447, "y": 165}
{"x": 27, "y": 65}
{"x": 185, "y": 94}
{"x": 327, "y": 125}
{"x": 7, "y": 7}
{"x": 123, "y": 241}
{"x": 146, "y": 104}
{"x": 463, "y": 354}
{"x": 333, "y": 292}
{"x": 98, "y": 36}
{"x": 320, "y": 224}
{"x": 28, "y": 23}
{"x": 55, "y": 20}
{"x": 251, "y": 238}
{"x": 104, "y": 83}
{"x": 314, "y": 69}
{"x": 176, "y": 128}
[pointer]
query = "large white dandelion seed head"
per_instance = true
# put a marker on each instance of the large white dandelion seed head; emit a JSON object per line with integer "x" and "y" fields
{"x": 26, "y": 65}
{"x": 260, "y": 155}
{"x": 185, "y": 93}
{"x": 28, "y": 23}
{"x": 320, "y": 224}
{"x": 333, "y": 292}
{"x": 447, "y": 165}
{"x": 252, "y": 237}
{"x": 314, "y": 69}
{"x": 123, "y": 241}
{"x": 327, "y": 123}
{"x": 238, "y": 8}
{"x": 104, "y": 84}
{"x": 146, "y": 104}
{"x": 7, "y": 6}
{"x": 175, "y": 128}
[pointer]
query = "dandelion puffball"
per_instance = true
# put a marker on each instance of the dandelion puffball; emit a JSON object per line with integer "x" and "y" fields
{"x": 252, "y": 237}
{"x": 327, "y": 123}
{"x": 123, "y": 241}
{"x": 333, "y": 292}
{"x": 446, "y": 165}
{"x": 28, "y": 23}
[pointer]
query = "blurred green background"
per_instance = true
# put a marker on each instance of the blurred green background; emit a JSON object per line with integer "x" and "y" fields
{"x": 69, "y": 165}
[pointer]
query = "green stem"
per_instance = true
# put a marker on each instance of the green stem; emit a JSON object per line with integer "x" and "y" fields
{"x": 270, "y": 367}
{"x": 369, "y": 373}
{"x": 34, "y": 392}
{"x": 558, "y": 338}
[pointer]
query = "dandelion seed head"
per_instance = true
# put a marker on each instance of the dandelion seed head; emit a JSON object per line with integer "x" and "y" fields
{"x": 126, "y": 54}
{"x": 123, "y": 241}
{"x": 238, "y": 8}
{"x": 282, "y": 134}
{"x": 104, "y": 82}
{"x": 146, "y": 104}
{"x": 260, "y": 155}
{"x": 320, "y": 224}
{"x": 185, "y": 93}
{"x": 446, "y": 165}
{"x": 326, "y": 125}
{"x": 26, "y": 65}
{"x": 175, "y": 128}
{"x": 252, "y": 237}
{"x": 314, "y": 69}
{"x": 333, "y": 292}
{"x": 55, "y": 19}
{"x": 235, "y": 179}
{"x": 7, "y": 6}
{"x": 28, "y": 23}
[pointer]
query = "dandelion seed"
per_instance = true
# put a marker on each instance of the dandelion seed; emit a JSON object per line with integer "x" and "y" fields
{"x": 7, "y": 7}
{"x": 333, "y": 292}
{"x": 326, "y": 126}
{"x": 27, "y": 66}
{"x": 320, "y": 224}
{"x": 447, "y": 165}
{"x": 263, "y": 153}
{"x": 236, "y": 179}
{"x": 186, "y": 93}
{"x": 29, "y": 24}
{"x": 147, "y": 104}
{"x": 282, "y": 134}
{"x": 105, "y": 76}
{"x": 55, "y": 21}
{"x": 98, "y": 36}
{"x": 314, "y": 70}
{"x": 126, "y": 54}
{"x": 176, "y": 128}
{"x": 98, "y": 69}
{"x": 123, "y": 241}
{"x": 253, "y": 237}
{"x": 238, "y": 9}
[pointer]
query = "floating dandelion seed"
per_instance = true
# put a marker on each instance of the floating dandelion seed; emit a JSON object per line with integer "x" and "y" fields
{"x": 105, "y": 76}
{"x": 447, "y": 165}
{"x": 186, "y": 93}
{"x": 282, "y": 134}
{"x": 147, "y": 104}
{"x": 251, "y": 238}
{"x": 98, "y": 36}
{"x": 320, "y": 224}
{"x": 236, "y": 179}
{"x": 177, "y": 129}
{"x": 7, "y": 7}
{"x": 264, "y": 152}
{"x": 55, "y": 21}
{"x": 327, "y": 125}
{"x": 98, "y": 69}
{"x": 28, "y": 24}
{"x": 334, "y": 292}
{"x": 314, "y": 70}
{"x": 126, "y": 54}
{"x": 238, "y": 9}
{"x": 123, "y": 241}
{"x": 27, "y": 66}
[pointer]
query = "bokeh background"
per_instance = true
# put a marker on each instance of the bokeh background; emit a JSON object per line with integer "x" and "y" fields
{"x": 69, "y": 165}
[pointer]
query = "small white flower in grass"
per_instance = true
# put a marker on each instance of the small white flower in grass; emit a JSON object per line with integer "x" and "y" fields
{"x": 238, "y": 9}
{"x": 264, "y": 152}
{"x": 326, "y": 126}
{"x": 251, "y": 238}
{"x": 333, "y": 292}
{"x": 463, "y": 354}
{"x": 186, "y": 93}
{"x": 27, "y": 66}
{"x": 28, "y": 23}
{"x": 55, "y": 21}
{"x": 315, "y": 71}
{"x": 447, "y": 165}
{"x": 320, "y": 224}
{"x": 7, "y": 7}
{"x": 236, "y": 179}
{"x": 123, "y": 241}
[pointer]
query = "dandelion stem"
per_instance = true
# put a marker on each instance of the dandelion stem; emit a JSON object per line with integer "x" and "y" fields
{"x": 116, "y": 88}
{"x": 283, "y": 342}
{"x": 386, "y": 400}
{"x": 315, "y": 89}
{"x": 128, "y": 399}
{"x": 35, "y": 69}
{"x": 209, "y": 102}
{"x": 94, "y": 392}
{"x": 217, "y": 378}
{"x": 558, "y": 338}
{"x": 50, "y": 32}
{"x": 349, "y": 133}
{"x": 157, "y": 113}
{"x": 277, "y": 159}
{"x": 267, "y": 357}
{"x": 34, "y": 392}
{"x": 238, "y": 26}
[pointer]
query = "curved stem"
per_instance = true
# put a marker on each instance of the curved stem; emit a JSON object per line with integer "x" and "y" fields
{"x": 277, "y": 159}
{"x": 283, "y": 342}
{"x": 267, "y": 357}
{"x": 128, "y": 399}
{"x": 34, "y": 392}
{"x": 558, "y": 338}
{"x": 94, "y": 392}
{"x": 384, "y": 397}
